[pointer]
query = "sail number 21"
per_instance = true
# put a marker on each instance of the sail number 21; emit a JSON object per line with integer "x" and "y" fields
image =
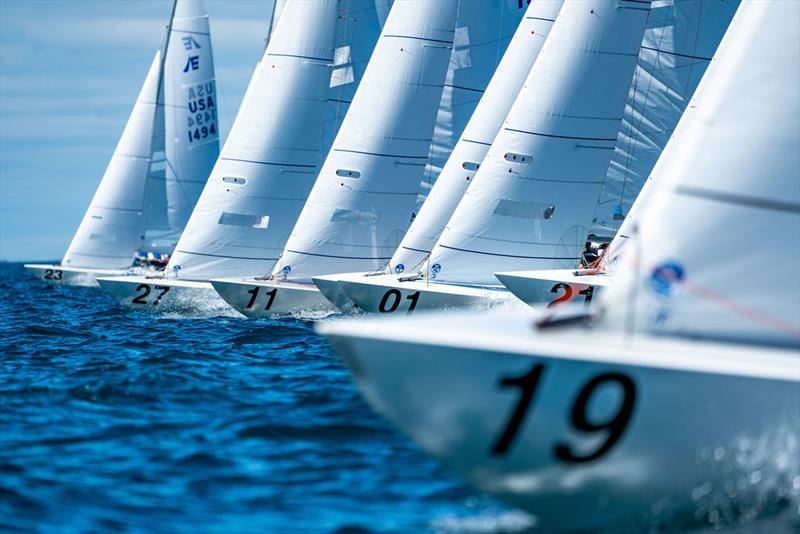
{"x": 614, "y": 426}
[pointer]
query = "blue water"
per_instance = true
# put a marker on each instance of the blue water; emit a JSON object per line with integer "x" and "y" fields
{"x": 113, "y": 419}
{"x": 119, "y": 420}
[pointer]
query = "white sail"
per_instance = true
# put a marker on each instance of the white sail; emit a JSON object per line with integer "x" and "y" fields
{"x": 271, "y": 157}
{"x": 362, "y": 201}
{"x": 680, "y": 38}
{"x": 112, "y": 228}
{"x": 483, "y": 31}
{"x": 190, "y": 99}
{"x": 479, "y": 132}
{"x": 532, "y": 200}
{"x": 357, "y": 30}
{"x": 717, "y": 251}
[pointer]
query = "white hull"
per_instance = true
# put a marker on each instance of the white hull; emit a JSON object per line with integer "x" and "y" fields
{"x": 259, "y": 299}
{"x": 161, "y": 294}
{"x": 386, "y": 294}
{"x": 696, "y": 422}
{"x": 330, "y": 288}
{"x": 544, "y": 288}
{"x": 70, "y": 276}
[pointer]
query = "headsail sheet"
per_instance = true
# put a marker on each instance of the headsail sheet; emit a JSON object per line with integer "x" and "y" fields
{"x": 717, "y": 251}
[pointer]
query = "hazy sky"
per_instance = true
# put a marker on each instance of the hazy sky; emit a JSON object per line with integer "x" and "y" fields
{"x": 69, "y": 74}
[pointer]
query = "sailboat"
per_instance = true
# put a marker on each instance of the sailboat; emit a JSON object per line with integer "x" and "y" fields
{"x": 268, "y": 164}
{"x": 537, "y": 186}
{"x": 678, "y": 45}
{"x": 676, "y": 398}
{"x": 150, "y": 186}
{"x": 365, "y": 195}
{"x": 465, "y": 159}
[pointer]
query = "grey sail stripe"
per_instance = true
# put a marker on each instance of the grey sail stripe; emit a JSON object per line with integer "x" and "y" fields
{"x": 378, "y": 154}
{"x": 305, "y": 166}
{"x": 339, "y": 257}
{"x": 418, "y": 38}
{"x": 581, "y": 138}
{"x": 741, "y": 200}
{"x": 225, "y": 256}
{"x": 510, "y": 255}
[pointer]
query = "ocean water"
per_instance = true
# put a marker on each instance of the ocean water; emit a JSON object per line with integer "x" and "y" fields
{"x": 118, "y": 420}
{"x": 114, "y": 420}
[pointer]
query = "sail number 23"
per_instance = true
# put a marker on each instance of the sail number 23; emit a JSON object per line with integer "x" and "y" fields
{"x": 614, "y": 426}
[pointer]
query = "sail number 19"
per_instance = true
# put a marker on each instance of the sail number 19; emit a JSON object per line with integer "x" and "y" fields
{"x": 614, "y": 426}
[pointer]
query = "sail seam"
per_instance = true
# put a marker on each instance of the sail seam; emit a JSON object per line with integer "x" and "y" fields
{"x": 612, "y": 139}
{"x": 378, "y": 154}
{"x": 326, "y": 60}
{"x": 340, "y": 257}
{"x": 225, "y": 256}
{"x": 270, "y": 163}
{"x": 676, "y": 53}
{"x": 733, "y": 198}
{"x": 420, "y": 38}
{"x": 510, "y": 255}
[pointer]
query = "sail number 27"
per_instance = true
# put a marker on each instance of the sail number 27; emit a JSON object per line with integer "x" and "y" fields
{"x": 614, "y": 426}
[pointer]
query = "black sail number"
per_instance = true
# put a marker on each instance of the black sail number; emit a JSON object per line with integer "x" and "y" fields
{"x": 391, "y": 300}
{"x": 53, "y": 274}
{"x": 254, "y": 293}
{"x": 615, "y": 425}
{"x": 144, "y": 291}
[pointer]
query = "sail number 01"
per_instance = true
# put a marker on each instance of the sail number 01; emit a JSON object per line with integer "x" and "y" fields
{"x": 391, "y": 300}
{"x": 615, "y": 426}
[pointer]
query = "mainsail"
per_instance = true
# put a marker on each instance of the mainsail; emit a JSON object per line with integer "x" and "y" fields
{"x": 483, "y": 31}
{"x": 190, "y": 106}
{"x": 145, "y": 193}
{"x": 272, "y": 155}
{"x": 113, "y": 227}
{"x": 531, "y": 202}
{"x": 478, "y": 133}
{"x": 680, "y": 38}
{"x": 726, "y": 223}
{"x": 364, "y": 196}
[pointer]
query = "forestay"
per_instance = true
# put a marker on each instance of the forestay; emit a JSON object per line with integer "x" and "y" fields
{"x": 680, "y": 38}
{"x": 271, "y": 157}
{"x": 113, "y": 227}
{"x": 363, "y": 199}
{"x": 481, "y": 129}
{"x": 192, "y": 129}
{"x": 532, "y": 200}
{"x": 724, "y": 233}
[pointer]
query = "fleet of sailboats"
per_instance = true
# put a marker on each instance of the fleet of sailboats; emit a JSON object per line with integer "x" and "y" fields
{"x": 160, "y": 164}
{"x": 409, "y": 155}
